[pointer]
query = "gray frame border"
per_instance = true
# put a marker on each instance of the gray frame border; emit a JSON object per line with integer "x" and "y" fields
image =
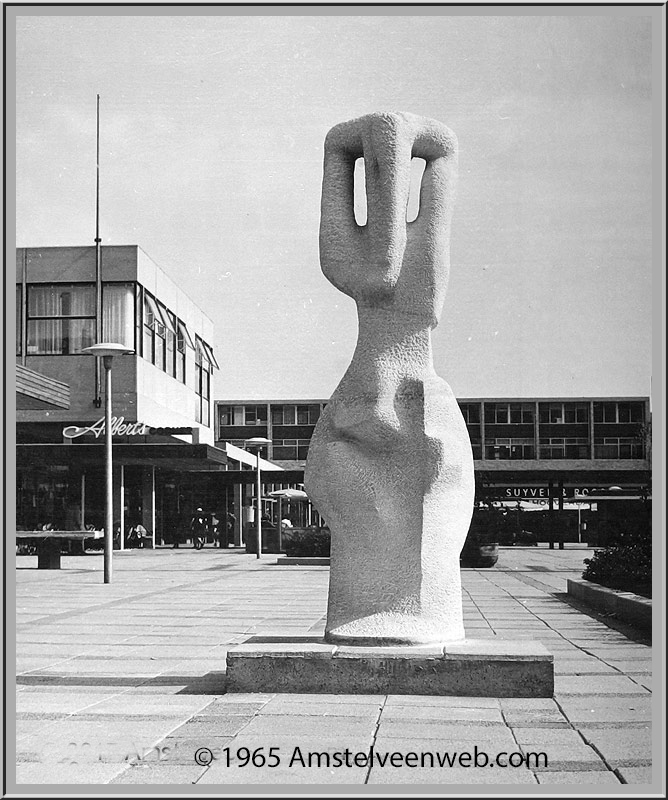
{"x": 656, "y": 11}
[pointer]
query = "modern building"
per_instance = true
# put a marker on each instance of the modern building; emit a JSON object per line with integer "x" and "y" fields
{"x": 558, "y": 452}
{"x": 165, "y": 461}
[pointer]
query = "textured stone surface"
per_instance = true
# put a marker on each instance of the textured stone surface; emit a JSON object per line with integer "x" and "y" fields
{"x": 510, "y": 670}
{"x": 390, "y": 466}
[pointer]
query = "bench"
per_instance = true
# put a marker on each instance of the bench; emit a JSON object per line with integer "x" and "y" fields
{"x": 48, "y": 544}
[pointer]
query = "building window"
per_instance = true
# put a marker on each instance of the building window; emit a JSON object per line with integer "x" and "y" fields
{"x": 576, "y": 413}
{"x": 165, "y": 339}
{"x": 291, "y": 449}
{"x": 183, "y": 340}
{"x": 149, "y": 321}
{"x": 155, "y": 331}
{"x": 203, "y": 370}
{"x": 283, "y": 415}
{"x": 504, "y": 449}
{"x": 605, "y": 412}
{"x": 61, "y": 318}
{"x": 551, "y": 413}
{"x": 19, "y": 318}
{"x": 295, "y": 415}
{"x": 510, "y": 413}
{"x": 471, "y": 413}
{"x": 225, "y": 416}
{"x": 255, "y": 415}
{"x": 624, "y": 412}
{"x": 170, "y": 344}
{"x": 118, "y": 314}
{"x": 616, "y": 447}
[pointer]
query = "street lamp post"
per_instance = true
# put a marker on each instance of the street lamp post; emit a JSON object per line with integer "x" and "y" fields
{"x": 256, "y": 443}
{"x": 106, "y": 351}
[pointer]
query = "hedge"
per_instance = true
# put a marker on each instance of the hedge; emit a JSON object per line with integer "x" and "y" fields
{"x": 306, "y": 542}
{"x": 626, "y": 566}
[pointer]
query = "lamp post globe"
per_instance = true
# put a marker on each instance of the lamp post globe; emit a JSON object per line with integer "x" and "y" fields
{"x": 106, "y": 351}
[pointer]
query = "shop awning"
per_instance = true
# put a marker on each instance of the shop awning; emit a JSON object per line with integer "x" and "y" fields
{"x": 37, "y": 391}
{"x": 184, "y": 457}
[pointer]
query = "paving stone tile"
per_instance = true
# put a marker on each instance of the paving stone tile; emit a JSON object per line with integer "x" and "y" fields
{"x": 269, "y": 725}
{"x": 563, "y": 666}
{"x": 96, "y": 740}
{"x": 541, "y": 736}
{"x": 528, "y": 703}
{"x": 578, "y": 778}
{"x": 414, "y": 713}
{"x": 175, "y": 749}
{"x": 426, "y": 729}
{"x": 64, "y": 774}
{"x": 635, "y": 775}
{"x": 225, "y": 708}
{"x": 326, "y": 709}
{"x": 165, "y": 774}
{"x": 438, "y": 776}
{"x": 636, "y": 665}
{"x": 535, "y": 718}
{"x": 596, "y": 685}
{"x": 214, "y": 725}
{"x": 437, "y": 701}
{"x": 135, "y": 705}
{"x": 568, "y": 756}
{"x": 297, "y": 774}
{"x": 57, "y": 702}
{"x": 621, "y": 746}
{"x": 583, "y": 709}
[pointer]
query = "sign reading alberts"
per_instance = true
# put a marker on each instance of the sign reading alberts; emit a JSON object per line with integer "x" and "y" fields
{"x": 119, "y": 427}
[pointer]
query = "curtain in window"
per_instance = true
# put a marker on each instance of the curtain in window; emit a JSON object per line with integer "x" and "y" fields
{"x": 64, "y": 300}
{"x": 118, "y": 314}
{"x": 18, "y": 319}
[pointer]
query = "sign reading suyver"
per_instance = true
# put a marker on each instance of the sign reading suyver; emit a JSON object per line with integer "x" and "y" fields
{"x": 119, "y": 427}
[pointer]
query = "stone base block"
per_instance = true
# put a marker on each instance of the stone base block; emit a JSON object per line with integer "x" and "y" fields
{"x": 471, "y": 668}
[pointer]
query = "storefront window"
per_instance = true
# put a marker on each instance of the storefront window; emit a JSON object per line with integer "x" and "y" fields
{"x": 61, "y": 318}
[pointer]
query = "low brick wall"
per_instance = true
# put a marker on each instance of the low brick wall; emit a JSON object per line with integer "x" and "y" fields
{"x": 625, "y": 606}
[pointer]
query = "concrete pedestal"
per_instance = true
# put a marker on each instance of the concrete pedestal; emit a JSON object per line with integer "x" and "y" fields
{"x": 471, "y": 668}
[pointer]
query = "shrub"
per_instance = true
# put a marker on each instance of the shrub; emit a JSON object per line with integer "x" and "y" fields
{"x": 627, "y": 567}
{"x": 310, "y": 542}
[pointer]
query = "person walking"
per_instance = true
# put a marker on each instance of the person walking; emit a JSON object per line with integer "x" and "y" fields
{"x": 199, "y": 528}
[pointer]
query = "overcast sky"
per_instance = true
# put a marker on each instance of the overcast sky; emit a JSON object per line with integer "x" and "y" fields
{"x": 211, "y": 159}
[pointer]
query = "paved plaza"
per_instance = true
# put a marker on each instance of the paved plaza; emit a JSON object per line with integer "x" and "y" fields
{"x": 125, "y": 683}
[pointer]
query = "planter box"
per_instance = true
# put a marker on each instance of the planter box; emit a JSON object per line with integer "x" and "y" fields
{"x": 626, "y": 606}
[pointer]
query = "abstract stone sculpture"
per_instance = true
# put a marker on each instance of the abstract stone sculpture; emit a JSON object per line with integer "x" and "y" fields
{"x": 390, "y": 466}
